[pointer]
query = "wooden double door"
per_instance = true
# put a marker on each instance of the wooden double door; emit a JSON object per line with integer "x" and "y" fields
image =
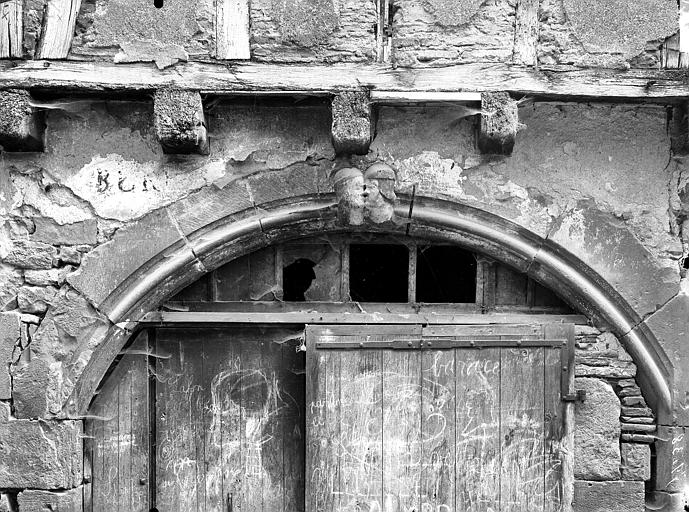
{"x": 335, "y": 418}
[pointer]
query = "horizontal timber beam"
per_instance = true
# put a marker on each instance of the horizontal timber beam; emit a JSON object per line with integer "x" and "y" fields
{"x": 178, "y": 317}
{"x": 258, "y": 78}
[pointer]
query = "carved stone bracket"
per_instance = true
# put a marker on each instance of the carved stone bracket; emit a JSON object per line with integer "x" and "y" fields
{"x": 21, "y": 125}
{"x": 499, "y": 123}
{"x": 179, "y": 121}
{"x": 365, "y": 197}
{"x": 352, "y": 128}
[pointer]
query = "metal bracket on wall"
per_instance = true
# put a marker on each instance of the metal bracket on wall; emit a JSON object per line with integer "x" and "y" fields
{"x": 579, "y": 396}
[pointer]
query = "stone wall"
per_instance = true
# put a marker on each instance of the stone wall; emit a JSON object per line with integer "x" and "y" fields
{"x": 615, "y": 33}
{"x": 102, "y": 200}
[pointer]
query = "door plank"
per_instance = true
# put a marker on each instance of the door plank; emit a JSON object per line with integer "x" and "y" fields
{"x": 554, "y": 432}
{"x": 140, "y": 425}
{"x": 361, "y": 472}
{"x": 438, "y": 430}
{"x": 273, "y": 428}
{"x": 176, "y": 464}
{"x": 293, "y": 387}
{"x": 124, "y": 439}
{"x": 322, "y": 428}
{"x": 477, "y": 429}
{"x": 521, "y": 429}
{"x": 401, "y": 430}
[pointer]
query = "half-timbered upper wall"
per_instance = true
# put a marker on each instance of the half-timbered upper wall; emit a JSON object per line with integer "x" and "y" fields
{"x": 407, "y": 33}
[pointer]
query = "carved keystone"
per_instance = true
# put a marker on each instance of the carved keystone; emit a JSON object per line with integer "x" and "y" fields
{"x": 352, "y": 127}
{"x": 179, "y": 121}
{"x": 499, "y": 123}
{"x": 21, "y": 125}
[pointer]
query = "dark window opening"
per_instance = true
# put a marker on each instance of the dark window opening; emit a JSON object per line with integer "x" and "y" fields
{"x": 445, "y": 274}
{"x": 378, "y": 273}
{"x": 297, "y": 278}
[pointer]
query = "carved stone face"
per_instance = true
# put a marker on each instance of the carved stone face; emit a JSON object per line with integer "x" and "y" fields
{"x": 365, "y": 196}
{"x": 349, "y": 188}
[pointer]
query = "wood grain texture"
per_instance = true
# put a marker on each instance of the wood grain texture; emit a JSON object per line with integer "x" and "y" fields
{"x": 259, "y": 78}
{"x": 477, "y": 429}
{"x": 438, "y": 406}
{"x": 521, "y": 429}
{"x": 402, "y": 456}
{"x": 526, "y": 33}
{"x": 11, "y": 29}
{"x": 58, "y": 29}
{"x": 232, "y": 29}
{"x": 554, "y": 429}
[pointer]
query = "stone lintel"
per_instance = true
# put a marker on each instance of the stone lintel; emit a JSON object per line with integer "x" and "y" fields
{"x": 352, "y": 126}
{"x": 499, "y": 123}
{"x": 179, "y": 121}
{"x": 21, "y": 125}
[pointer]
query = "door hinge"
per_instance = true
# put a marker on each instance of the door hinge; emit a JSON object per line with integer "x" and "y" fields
{"x": 579, "y": 396}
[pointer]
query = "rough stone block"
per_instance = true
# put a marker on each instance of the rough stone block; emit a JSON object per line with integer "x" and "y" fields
{"x": 672, "y": 453}
{"x": 636, "y": 461}
{"x": 60, "y": 345}
{"x": 10, "y": 333}
{"x": 50, "y": 232}
{"x": 499, "y": 123}
{"x": 179, "y": 121}
{"x": 35, "y": 299}
{"x": 597, "y": 432}
{"x": 608, "y": 497}
{"x": 352, "y": 127}
{"x": 30, "y": 255}
{"x": 104, "y": 268}
{"x": 40, "y": 454}
{"x": 52, "y": 277}
{"x": 69, "y": 255}
{"x": 21, "y": 126}
{"x": 669, "y": 325}
{"x": 608, "y": 369}
{"x": 10, "y": 282}
{"x": 7, "y": 502}
{"x": 5, "y": 412}
{"x": 40, "y": 501}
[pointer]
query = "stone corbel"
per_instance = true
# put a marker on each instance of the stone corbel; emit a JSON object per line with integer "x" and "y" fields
{"x": 352, "y": 126}
{"x": 499, "y": 123}
{"x": 21, "y": 125}
{"x": 179, "y": 121}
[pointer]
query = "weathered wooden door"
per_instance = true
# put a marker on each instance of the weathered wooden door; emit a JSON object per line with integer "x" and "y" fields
{"x": 437, "y": 419}
{"x": 206, "y": 419}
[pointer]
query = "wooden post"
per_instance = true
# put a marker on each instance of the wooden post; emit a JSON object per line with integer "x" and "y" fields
{"x": 683, "y": 34}
{"x": 232, "y": 20}
{"x": 499, "y": 123}
{"x": 526, "y": 33}
{"x": 21, "y": 126}
{"x": 58, "y": 29}
{"x": 179, "y": 121}
{"x": 352, "y": 127}
{"x": 11, "y": 29}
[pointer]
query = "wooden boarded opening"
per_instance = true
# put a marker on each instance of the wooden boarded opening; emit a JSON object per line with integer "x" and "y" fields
{"x": 390, "y": 418}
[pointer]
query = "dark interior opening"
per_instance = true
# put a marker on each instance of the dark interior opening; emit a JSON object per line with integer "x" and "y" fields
{"x": 445, "y": 274}
{"x": 378, "y": 273}
{"x": 296, "y": 279}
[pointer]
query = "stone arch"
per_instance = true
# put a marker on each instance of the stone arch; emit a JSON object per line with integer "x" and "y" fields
{"x": 207, "y": 243}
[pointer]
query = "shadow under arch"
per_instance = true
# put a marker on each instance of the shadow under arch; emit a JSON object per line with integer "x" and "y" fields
{"x": 223, "y": 240}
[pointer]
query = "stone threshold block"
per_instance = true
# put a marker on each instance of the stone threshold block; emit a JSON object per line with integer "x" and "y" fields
{"x": 613, "y": 496}
{"x": 352, "y": 127}
{"x": 179, "y": 121}
{"x": 21, "y": 125}
{"x": 499, "y": 123}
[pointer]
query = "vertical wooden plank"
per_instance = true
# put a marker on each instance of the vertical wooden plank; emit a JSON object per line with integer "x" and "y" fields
{"x": 271, "y": 441}
{"x": 232, "y": 22}
{"x": 110, "y": 446}
{"x": 124, "y": 439}
{"x": 361, "y": 408}
{"x": 521, "y": 429}
{"x": 411, "y": 284}
{"x": 215, "y": 360}
{"x": 11, "y": 29}
{"x": 401, "y": 430}
{"x": 554, "y": 430}
{"x": 526, "y": 33}
{"x": 176, "y": 463}
{"x": 293, "y": 389}
{"x": 58, "y": 29}
{"x": 197, "y": 403}
{"x": 253, "y": 391}
{"x": 140, "y": 426}
{"x": 438, "y": 430}
{"x": 322, "y": 428}
{"x": 477, "y": 427}
{"x": 683, "y": 33}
